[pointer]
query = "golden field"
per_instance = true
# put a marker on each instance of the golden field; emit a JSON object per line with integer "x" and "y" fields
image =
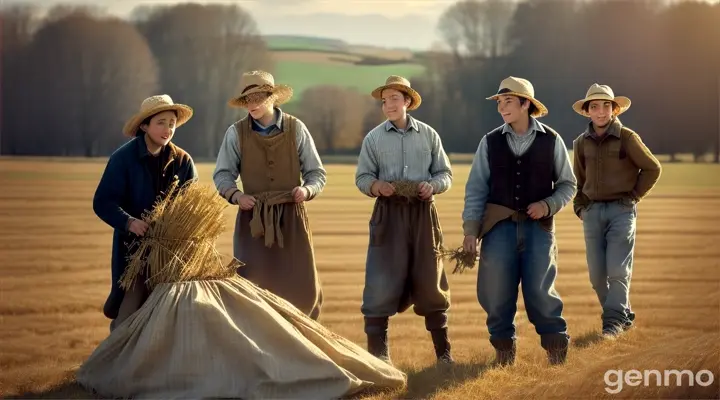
{"x": 55, "y": 265}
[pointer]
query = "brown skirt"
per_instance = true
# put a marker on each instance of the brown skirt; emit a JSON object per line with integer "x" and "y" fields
{"x": 288, "y": 271}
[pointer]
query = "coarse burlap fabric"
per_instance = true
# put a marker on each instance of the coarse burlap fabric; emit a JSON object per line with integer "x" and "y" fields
{"x": 229, "y": 338}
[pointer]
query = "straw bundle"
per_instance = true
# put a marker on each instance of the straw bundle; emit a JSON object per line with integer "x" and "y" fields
{"x": 179, "y": 244}
{"x": 463, "y": 260}
{"x": 407, "y": 189}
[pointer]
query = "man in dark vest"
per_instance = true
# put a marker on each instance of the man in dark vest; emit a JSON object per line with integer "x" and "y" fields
{"x": 519, "y": 179}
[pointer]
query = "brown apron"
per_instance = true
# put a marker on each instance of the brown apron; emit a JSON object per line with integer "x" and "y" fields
{"x": 274, "y": 239}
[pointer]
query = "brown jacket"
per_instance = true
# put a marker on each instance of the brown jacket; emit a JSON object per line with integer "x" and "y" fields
{"x": 616, "y": 166}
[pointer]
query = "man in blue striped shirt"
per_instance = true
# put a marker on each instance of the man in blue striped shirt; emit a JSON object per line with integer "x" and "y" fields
{"x": 519, "y": 179}
{"x": 403, "y": 266}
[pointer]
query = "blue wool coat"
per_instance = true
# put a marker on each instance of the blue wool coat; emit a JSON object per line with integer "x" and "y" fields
{"x": 126, "y": 190}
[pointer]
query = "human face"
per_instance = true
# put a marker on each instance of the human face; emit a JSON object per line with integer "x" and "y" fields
{"x": 258, "y": 107}
{"x": 394, "y": 104}
{"x": 601, "y": 112}
{"x": 161, "y": 128}
{"x": 510, "y": 108}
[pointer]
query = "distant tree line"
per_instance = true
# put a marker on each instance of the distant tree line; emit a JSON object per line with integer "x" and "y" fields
{"x": 71, "y": 78}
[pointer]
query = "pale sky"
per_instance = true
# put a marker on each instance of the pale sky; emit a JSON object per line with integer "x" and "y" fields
{"x": 355, "y": 21}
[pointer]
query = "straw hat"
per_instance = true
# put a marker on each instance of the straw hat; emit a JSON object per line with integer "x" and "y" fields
{"x": 399, "y": 83}
{"x": 154, "y": 105}
{"x": 261, "y": 82}
{"x": 602, "y": 92}
{"x": 512, "y": 86}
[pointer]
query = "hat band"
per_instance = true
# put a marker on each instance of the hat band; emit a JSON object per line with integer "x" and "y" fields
{"x": 504, "y": 90}
{"x": 253, "y": 86}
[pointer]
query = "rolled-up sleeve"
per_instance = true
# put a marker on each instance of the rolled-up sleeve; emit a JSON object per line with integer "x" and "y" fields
{"x": 477, "y": 190}
{"x": 566, "y": 184}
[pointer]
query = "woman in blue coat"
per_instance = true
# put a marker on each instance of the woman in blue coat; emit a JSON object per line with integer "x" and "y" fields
{"x": 136, "y": 174}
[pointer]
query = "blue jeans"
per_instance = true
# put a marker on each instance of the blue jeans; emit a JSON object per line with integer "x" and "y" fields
{"x": 610, "y": 242}
{"x": 511, "y": 253}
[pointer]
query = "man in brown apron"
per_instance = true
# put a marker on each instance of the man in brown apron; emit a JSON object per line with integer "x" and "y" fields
{"x": 403, "y": 267}
{"x": 275, "y": 157}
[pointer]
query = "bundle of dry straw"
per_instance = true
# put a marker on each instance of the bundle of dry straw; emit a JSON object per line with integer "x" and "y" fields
{"x": 463, "y": 260}
{"x": 406, "y": 188}
{"x": 179, "y": 244}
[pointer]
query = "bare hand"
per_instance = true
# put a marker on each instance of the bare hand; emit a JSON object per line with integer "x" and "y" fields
{"x": 470, "y": 244}
{"x": 246, "y": 202}
{"x": 425, "y": 190}
{"x": 382, "y": 187}
{"x": 138, "y": 227}
{"x": 538, "y": 210}
{"x": 300, "y": 194}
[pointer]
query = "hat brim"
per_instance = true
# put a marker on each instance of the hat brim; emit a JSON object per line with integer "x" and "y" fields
{"x": 414, "y": 95}
{"x": 280, "y": 94}
{"x": 540, "y": 111}
{"x": 622, "y": 102}
{"x": 184, "y": 113}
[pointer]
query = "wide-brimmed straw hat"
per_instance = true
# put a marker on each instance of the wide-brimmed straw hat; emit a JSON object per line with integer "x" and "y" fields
{"x": 154, "y": 105}
{"x": 512, "y": 86}
{"x": 602, "y": 92}
{"x": 399, "y": 83}
{"x": 261, "y": 82}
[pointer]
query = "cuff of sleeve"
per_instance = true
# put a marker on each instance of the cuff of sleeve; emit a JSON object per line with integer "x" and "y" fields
{"x": 128, "y": 222}
{"x": 310, "y": 191}
{"x": 230, "y": 193}
{"x": 471, "y": 228}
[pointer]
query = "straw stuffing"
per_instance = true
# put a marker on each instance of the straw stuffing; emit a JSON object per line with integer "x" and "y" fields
{"x": 179, "y": 244}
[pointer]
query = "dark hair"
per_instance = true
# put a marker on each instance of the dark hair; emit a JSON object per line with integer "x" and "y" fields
{"x": 532, "y": 109}
{"x": 586, "y": 105}
{"x": 146, "y": 121}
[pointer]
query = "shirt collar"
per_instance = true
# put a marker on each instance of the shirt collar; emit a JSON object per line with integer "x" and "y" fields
{"x": 276, "y": 124}
{"x": 168, "y": 151}
{"x": 613, "y": 129}
{"x": 533, "y": 126}
{"x": 411, "y": 124}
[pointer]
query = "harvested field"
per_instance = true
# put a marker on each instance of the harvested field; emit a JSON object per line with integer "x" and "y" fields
{"x": 55, "y": 256}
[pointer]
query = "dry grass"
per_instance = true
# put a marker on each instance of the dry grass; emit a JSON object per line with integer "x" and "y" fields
{"x": 55, "y": 255}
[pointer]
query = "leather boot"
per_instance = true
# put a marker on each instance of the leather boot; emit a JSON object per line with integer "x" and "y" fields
{"x": 377, "y": 338}
{"x": 442, "y": 346}
{"x": 505, "y": 350}
{"x": 556, "y": 345}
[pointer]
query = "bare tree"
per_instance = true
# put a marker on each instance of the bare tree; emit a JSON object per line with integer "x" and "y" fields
{"x": 202, "y": 51}
{"x": 88, "y": 76}
{"x": 334, "y": 115}
{"x": 477, "y": 27}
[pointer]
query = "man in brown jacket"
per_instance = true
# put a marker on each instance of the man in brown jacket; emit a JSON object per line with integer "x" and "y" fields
{"x": 270, "y": 151}
{"x": 614, "y": 170}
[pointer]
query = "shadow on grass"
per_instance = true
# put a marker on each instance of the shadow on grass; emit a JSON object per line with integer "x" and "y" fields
{"x": 425, "y": 383}
{"x": 66, "y": 390}
{"x": 588, "y": 339}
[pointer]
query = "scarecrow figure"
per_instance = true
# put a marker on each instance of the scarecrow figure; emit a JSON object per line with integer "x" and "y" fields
{"x": 136, "y": 174}
{"x": 271, "y": 151}
{"x": 519, "y": 179}
{"x": 615, "y": 170}
{"x": 403, "y": 266}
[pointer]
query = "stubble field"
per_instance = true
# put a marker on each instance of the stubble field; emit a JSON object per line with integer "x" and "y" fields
{"x": 55, "y": 276}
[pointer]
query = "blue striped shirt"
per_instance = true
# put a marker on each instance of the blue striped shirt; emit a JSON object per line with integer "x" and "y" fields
{"x": 415, "y": 153}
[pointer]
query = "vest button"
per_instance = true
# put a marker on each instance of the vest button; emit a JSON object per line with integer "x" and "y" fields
{"x": 518, "y": 173}
{"x": 519, "y": 161}
{"x": 517, "y": 198}
{"x": 517, "y": 186}
{"x": 271, "y": 162}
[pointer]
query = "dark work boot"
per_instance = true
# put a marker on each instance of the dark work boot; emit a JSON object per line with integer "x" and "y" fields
{"x": 505, "y": 350}
{"x": 377, "y": 338}
{"x": 442, "y": 346}
{"x": 556, "y": 345}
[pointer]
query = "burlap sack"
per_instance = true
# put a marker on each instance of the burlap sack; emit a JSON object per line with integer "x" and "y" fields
{"x": 228, "y": 338}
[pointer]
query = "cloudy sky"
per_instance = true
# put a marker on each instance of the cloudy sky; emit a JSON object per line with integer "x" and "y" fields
{"x": 372, "y": 22}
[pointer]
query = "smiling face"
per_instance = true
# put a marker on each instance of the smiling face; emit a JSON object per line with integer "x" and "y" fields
{"x": 394, "y": 104}
{"x": 160, "y": 129}
{"x": 511, "y": 109}
{"x": 601, "y": 112}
